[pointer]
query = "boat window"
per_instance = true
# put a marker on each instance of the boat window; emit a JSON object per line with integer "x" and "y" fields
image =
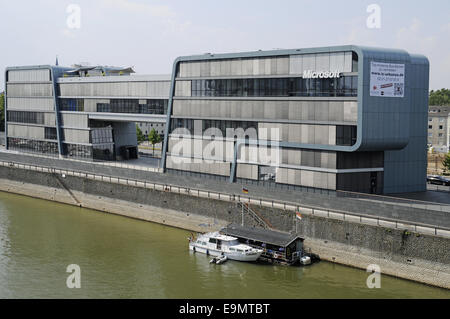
{"x": 212, "y": 240}
{"x": 232, "y": 249}
{"x": 240, "y": 250}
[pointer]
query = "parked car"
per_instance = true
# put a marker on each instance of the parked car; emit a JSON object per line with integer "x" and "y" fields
{"x": 438, "y": 180}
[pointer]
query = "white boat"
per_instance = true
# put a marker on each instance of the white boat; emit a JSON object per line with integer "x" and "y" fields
{"x": 216, "y": 244}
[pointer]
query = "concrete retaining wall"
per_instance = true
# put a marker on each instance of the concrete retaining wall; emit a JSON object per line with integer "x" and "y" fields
{"x": 423, "y": 258}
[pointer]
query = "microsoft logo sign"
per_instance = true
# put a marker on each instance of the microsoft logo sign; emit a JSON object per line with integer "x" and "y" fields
{"x": 308, "y": 74}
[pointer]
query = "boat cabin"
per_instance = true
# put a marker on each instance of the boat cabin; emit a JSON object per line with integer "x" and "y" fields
{"x": 277, "y": 246}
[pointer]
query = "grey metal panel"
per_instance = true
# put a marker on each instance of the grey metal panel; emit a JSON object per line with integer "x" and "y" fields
{"x": 30, "y": 104}
{"x": 29, "y": 89}
{"x": 74, "y": 120}
{"x": 36, "y": 75}
{"x": 76, "y": 136}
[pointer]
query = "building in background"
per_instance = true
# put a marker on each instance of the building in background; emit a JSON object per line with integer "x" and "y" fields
{"x": 83, "y": 112}
{"x": 348, "y": 118}
{"x": 439, "y": 128}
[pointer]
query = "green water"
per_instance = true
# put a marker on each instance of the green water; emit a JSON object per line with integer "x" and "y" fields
{"x": 125, "y": 258}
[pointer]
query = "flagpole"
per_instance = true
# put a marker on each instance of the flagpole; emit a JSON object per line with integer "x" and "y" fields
{"x": 242, "y": 214}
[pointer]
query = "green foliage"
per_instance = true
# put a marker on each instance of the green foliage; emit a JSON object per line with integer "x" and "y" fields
{"x": 2, "y": 111}
{"x": 154, "y": 138}
{"x": 140, "y": 135}
{"x": 439, "y": 97}
{"x": 446, "y": 163}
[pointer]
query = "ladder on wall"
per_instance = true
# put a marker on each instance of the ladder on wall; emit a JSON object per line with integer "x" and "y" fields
{"x": 261, "y": 221}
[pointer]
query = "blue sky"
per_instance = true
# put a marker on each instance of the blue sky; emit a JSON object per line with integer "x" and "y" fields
{"x": 149, "y": 35}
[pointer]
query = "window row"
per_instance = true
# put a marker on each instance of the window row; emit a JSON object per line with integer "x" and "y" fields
{"x": 345, "y": 134}
{"x": 343, "y": 86}
{"x": 206, "y": 124}
{"x": 151, "y": 106}
{"x": 26, "y": 117}
{"x": 32, "y": 146}
{"x": 157, "y": 106}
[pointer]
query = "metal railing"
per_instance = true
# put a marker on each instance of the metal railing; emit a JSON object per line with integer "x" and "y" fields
{"x": 412, "y": 203}
{"x": 255, "y": 216}
{"x": 284, "y": 205}
{"x": 407, "y": 202}
{"x": 97, "y": 162}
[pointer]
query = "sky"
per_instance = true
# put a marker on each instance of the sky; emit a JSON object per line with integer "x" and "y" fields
{"x": 149, "y": 35}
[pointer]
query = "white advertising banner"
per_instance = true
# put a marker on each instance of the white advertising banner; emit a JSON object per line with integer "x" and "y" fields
{"x": 387, "y": 79}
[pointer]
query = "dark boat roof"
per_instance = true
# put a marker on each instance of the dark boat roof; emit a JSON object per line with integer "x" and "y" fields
{"x": 273, "y": 237}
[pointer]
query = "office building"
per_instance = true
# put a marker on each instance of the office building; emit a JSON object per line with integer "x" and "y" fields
{"x": 439, "y": 128}
{"x": 345, "y": 118}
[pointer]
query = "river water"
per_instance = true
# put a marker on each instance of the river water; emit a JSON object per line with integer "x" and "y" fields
{"x": 125, "y": 258}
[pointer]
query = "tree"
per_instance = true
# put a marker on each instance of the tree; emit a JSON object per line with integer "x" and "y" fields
{"x": 140, "y": 135}
{"x": 440, "y": 97}
{"x": 2, "y": 111}
{"x": 446, "y": 163}
{"x": 154, "y": 138}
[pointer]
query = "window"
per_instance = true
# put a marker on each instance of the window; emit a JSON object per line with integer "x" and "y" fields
{"x": 343, "y": 86}
{"x": 430, "y": 126}
{"x": 440, "y": 134}
{"x": 26, "y": 117}
{"x": 102, "y": 135}
{"x": 32, "y": 146}
{"x": 345, "y": 135}
{"x": 441, "y": 127}
{"x": 72, "y": 105}
{"x": 78, "y": 150}
{"x": 50, "y": 133}
{"x": 206, "y": 124}
{"x": 151, "y": 106}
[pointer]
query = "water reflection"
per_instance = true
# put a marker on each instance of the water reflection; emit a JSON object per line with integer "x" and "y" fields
{"x": 126, "y": 258}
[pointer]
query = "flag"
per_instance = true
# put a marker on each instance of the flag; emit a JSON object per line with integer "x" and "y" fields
{"x": 299, "y": 216}
{"x": 244, "y": 190}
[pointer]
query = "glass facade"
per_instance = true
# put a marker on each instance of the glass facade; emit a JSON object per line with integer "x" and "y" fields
{"x": 33, "y": 146}
{"x": 103, "y": 152}
{"x": 26, "y": 117}
{"x": 102, "y": 135}
{"x": 50, "y": 133}
{"x": 345, "y": 135}
{"x": 76, "y": 105}
{"x": 78, "y": 151}
{"x": 206, "y": 124}
{"x": 156, "y": 106}
{"x": 343, "y": 86}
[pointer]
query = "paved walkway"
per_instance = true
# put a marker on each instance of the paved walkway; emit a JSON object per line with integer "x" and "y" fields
{"x": 431, "y": 213}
